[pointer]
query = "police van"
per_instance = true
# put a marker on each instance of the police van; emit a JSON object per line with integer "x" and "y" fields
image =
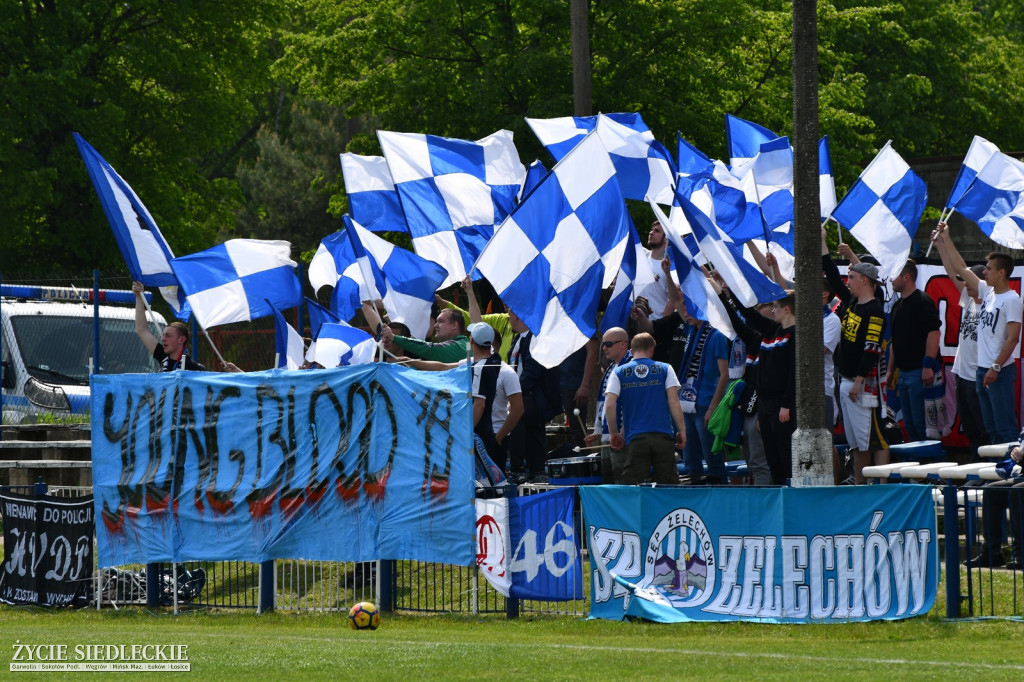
{"x": 47, "y": 344}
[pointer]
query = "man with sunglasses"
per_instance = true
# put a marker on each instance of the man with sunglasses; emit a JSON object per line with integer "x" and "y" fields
{"x": 615, "y": 346}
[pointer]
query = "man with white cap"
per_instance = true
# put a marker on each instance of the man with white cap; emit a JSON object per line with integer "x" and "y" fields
{"x": 497, "y": 396}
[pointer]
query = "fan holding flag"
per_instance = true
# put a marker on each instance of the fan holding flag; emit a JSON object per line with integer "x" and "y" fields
{"x": 999, "y": 325}
{"x": 170, "y": 350}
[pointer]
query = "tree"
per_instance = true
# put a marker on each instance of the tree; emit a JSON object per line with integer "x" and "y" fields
{"x": 288, "y": 187}
{"x": 167, "y": 92}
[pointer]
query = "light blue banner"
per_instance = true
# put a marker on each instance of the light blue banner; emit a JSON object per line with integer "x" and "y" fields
{"x": 771, "y": 555}
{"x": 349, "y": 464}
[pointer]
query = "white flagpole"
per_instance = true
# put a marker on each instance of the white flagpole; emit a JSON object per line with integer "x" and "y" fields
{"x": 943, "y": 217}
{"x": 215, "y": 351}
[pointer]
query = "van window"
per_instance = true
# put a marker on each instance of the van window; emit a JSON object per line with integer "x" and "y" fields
{"x": 56, "y": 349}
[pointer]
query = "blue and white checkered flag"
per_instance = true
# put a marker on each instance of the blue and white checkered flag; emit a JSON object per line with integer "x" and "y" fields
{"x": 560, "y": 135}
{"x": 644, "y": 167}
{"x": 883, "y": 210}
{"x": 318, "y": 315}
{"x": 744, "y": 139}
{"x": 772, "y": 168}
{"x": 340, "y": 344}
{"x": 747, "y": 283}
{"x": 698, "y": 295}
{"x": 978, "y": 154}
{"x": 995, "y": 200}
{"x": 562, "y": 245}
{"x": 288, "y": 345}
{"x": 372, "y": 199}
{"x": 334, "y": 265}
{"x": 826, "y": 179}
{"x": 233, "y": 281}
{"x": 404, "y": 281}
{"x": 753, "y": 149}
{"x": 143, "y": 247}
{"x": 453, "y": 192}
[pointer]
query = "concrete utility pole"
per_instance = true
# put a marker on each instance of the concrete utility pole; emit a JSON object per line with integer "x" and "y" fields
{"x": 579, "y": 14}
{"x": 812, "y": 441}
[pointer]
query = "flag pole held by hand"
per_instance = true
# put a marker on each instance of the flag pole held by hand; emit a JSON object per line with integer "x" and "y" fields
{"x": 943, "y": 217}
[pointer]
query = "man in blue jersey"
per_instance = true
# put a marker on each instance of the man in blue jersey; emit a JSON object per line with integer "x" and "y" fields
{"x": 648, "y": 394}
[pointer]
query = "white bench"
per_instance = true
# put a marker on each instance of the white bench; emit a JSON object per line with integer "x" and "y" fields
{"x": 963, "y": 496}
{"x": 891, "y": 471}
{"x": 928, "y": 472}
{"x": 995, "y": 451}
{"x": 965, "y": 472}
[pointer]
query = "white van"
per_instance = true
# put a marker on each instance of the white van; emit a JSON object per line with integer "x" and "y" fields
{"x": 48, "y": 347}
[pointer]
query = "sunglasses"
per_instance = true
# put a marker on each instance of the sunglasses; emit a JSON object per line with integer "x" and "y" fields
{"x": 609, "y": 344}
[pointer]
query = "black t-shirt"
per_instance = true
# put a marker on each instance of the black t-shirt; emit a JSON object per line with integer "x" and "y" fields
{"x": 670, "y": 339}
{"x": 913, "y": 318}
{"x": 168, "y": 365}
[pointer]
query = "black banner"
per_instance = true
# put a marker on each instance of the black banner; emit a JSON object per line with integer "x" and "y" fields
{"x": 48, "y": 558}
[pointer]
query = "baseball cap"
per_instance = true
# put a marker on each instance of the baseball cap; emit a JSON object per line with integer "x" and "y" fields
{"x": 978, "y": 270}
{"x": 866, "y": 269}
{"x": 481, "y": 333}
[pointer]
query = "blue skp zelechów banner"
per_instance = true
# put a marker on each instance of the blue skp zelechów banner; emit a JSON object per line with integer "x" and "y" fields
{"x": 349, "y": 464}
{"x": 770, "y": 555}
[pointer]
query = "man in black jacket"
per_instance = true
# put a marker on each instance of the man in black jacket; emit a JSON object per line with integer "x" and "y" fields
{"x": 541, "y": 403}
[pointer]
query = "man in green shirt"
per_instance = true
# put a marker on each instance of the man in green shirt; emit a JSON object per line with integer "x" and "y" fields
{"x": 449, "y": 334}
{"x": 499, "y": 321}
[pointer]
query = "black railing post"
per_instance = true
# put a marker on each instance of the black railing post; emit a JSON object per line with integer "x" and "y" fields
{"x": 152, "y": 585}
{"x": 511, "y": 603}
{"x": 268, "y": 586}
{"x": 96, "y": 321}
{"x": 386, "y": 580}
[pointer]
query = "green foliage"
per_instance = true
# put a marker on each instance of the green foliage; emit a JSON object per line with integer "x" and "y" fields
{"x": 165, "y": 91}
{"x": 289, "y": 186}
{"x": 227, "y": 117}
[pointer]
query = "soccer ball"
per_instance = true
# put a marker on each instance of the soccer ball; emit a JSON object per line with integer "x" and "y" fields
{"x": 364, "y": 616}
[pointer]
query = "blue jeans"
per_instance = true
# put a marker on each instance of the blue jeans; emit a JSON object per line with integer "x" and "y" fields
{"x": 698, "y": 446}
{"x": 910, "y": 388}
{"x": 998, "y": 407}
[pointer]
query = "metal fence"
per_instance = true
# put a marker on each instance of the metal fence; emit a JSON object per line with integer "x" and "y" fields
{"x": 974, "y": 587}
{"x": 296, "y": 585}
{"x": 983, "y": 547}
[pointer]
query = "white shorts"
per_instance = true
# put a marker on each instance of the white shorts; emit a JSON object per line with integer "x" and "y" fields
{"x": 860, "y": 420}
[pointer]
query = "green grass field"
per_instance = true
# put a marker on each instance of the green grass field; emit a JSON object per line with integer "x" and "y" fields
{"x": 306, "y": 646}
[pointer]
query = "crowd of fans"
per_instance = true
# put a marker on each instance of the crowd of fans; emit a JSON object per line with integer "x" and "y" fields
{"x": 670, "y": 388}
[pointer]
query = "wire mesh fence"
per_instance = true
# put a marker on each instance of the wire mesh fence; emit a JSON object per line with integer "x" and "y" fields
{"x": 299, "y": 585}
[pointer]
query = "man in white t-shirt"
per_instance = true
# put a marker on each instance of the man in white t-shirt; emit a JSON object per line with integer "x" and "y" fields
{"x": 656, "y": 292}
{"x": 495, "y": 385}
{"x": 999, "y": 324}
{"x": 965, "y": 365}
